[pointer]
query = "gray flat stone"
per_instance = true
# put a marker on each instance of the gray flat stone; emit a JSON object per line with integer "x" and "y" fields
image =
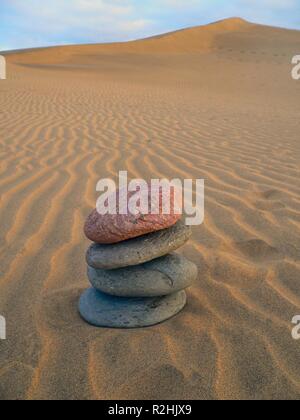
{"x": 139, "y": 250}
{"x": 159, "y": 277}
{"x": 102, "y": 310}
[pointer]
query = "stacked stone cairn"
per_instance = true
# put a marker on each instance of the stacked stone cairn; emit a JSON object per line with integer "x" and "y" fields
{"x": 137, "y": 279}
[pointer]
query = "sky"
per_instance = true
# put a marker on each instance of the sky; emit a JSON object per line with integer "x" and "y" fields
{"x": 36, "y": 23}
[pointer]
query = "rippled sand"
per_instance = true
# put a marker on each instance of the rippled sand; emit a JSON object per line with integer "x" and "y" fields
{"x": 214, "y": 102}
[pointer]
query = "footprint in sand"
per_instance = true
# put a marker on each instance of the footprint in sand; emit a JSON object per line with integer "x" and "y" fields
{"x": 244, "y": 265}
{"x": 269, "y": 194}
{"x": 258, "y": 250}
{"x": 236, "y": 272}
{"x": 269, "y": 206}
{"x": 130, "y": 364}
{"x": 269, "y": 200}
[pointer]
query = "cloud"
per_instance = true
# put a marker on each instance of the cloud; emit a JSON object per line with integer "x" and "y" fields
{"x": 181, "y": 4}
{"x": 274, "y": 4}
{"x": 47, "y": 22}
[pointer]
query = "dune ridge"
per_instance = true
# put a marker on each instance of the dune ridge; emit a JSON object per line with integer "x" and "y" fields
{"x": 236, "y": 32}
{"x": 215, "y": 102}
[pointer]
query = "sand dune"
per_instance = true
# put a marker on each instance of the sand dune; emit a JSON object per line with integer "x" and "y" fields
{"x": 214, "y": 102}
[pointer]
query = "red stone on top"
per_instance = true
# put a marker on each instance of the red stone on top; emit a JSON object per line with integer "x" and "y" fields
{"x": 114, "y": 228}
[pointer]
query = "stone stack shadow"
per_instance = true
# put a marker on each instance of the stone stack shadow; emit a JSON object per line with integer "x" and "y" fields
{"x": 139, "y": 282}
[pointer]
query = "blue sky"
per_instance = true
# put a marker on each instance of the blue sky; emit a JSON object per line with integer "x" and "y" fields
{"x": 33, "y": 23}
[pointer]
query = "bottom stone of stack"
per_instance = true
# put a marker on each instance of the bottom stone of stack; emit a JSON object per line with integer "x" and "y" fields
{"x": 102, "y": 310}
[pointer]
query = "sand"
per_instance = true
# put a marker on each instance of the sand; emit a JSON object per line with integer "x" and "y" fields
{"x": 215, "y": 102}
